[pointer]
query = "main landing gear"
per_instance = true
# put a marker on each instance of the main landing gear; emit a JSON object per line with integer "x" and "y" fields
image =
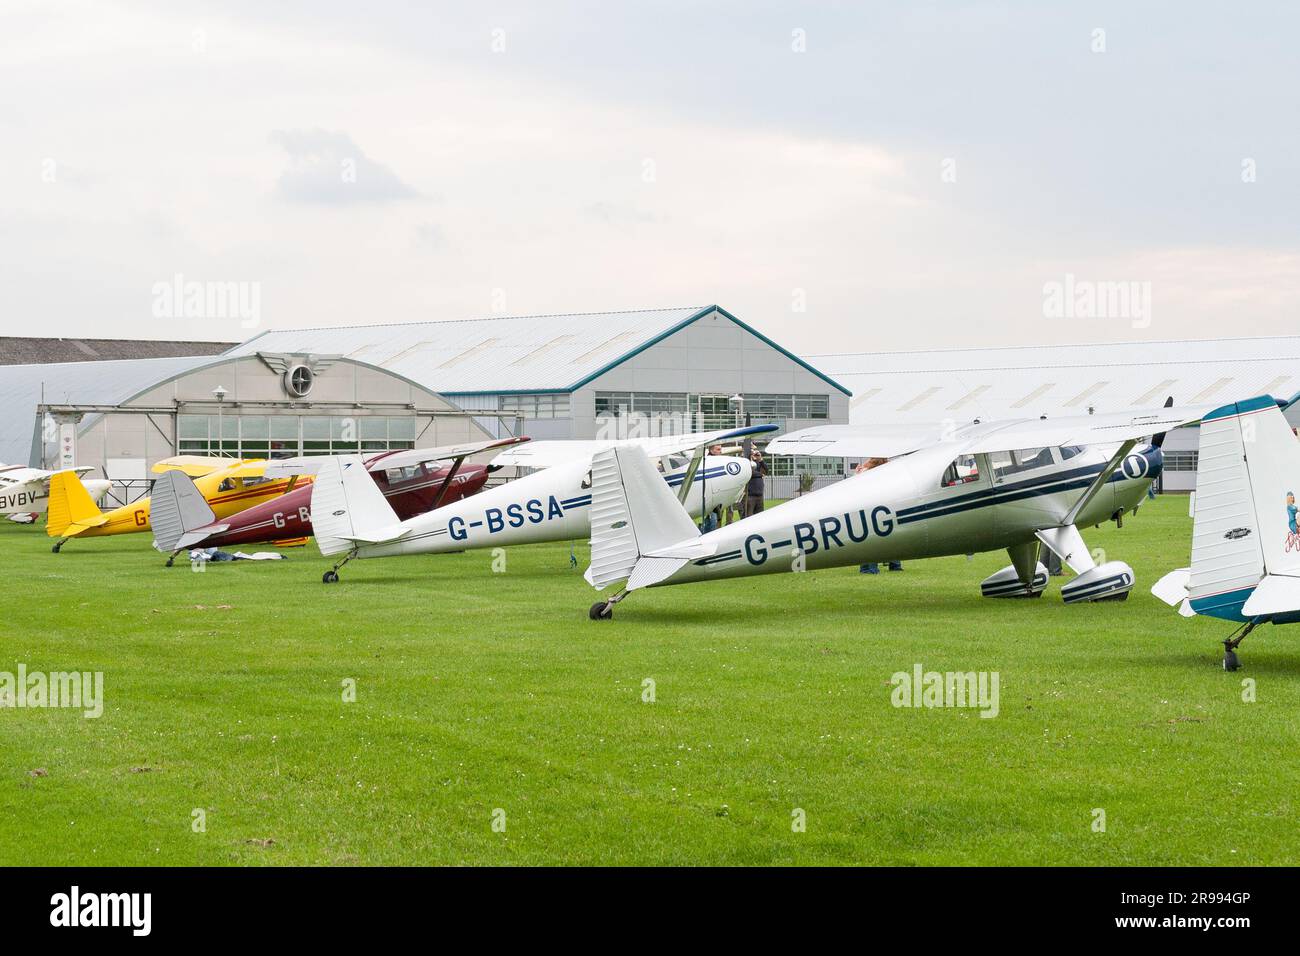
{"x": 604, "y": 610}
{"x": 1230, "y": 662}
{"x": 332, "y": 576}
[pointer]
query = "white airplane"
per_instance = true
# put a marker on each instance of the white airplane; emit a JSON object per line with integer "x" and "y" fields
{"x": 25, "y": 492}
{"x": 349, "y": 513}
{"x": 1245, "y": 535}
{"x": 1011, "y": 484}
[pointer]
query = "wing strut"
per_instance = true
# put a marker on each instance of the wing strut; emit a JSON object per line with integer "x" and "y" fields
{"x": 1099, "y": 482}
{"x": 446, "y": 482}
{"x": 688, "y": 479}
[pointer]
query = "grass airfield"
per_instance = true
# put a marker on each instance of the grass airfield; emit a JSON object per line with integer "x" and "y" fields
{"x": 479, "y": 692}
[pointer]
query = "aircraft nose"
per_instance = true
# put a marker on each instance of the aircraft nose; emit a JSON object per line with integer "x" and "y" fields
{"x": 1153, "y": 461}
{"x": 744, "y": 472}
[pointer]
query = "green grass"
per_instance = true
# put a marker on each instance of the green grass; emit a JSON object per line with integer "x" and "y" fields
{"x": 479, "y": 690}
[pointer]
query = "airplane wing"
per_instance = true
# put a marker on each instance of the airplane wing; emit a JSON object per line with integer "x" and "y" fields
{"x": 311, "y": 465}
{"x": 545, "y": 454}
{"x": 196, "y": 466}
{"x": 861, "y": 441}
{"x": 1108, "y": 428}
{"x": 890, "y": 440}
{"x": 18, "y": 475}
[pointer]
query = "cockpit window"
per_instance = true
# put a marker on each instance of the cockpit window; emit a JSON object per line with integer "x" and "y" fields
{"x": 227, "y": 485}
{"x": 962, "y": 471}
{"x": 1025, "y": 459}
{"x": 1069, "y": 451}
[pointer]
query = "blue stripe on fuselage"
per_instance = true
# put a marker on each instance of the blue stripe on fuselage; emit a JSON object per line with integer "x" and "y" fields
{"x": 1078, "y": 478}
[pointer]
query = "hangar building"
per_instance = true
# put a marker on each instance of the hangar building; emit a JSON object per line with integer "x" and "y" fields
{"x": 373, "y": 387}
{"x": 1028, "y": 381}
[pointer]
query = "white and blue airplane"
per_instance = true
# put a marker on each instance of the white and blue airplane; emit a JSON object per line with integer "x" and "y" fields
{"x": 1245, "y": 537}
{"x": 350, "y": 515}
{"x": 1015, "y": 484}
{"x": 25, "y": 492}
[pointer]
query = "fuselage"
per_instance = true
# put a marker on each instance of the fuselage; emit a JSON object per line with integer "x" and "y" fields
{"x": 33, "y": 497}
{"x": 225, "y": 496}
{"x": 911, "y": 507}
{"x": 549, "y": 505}
{"x": 289, "y": 516}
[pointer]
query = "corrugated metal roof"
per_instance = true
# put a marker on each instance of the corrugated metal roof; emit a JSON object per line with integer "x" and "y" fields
{"x": 500, "y": 353}
{"x": 25, "y": 350}
{"x": 963, "y": 384}
{"x": 80, "y": 383}
{"x": 535, "y": 353}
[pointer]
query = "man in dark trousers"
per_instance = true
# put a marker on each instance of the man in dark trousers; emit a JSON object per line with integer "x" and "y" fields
{"x": 756, "y": 488}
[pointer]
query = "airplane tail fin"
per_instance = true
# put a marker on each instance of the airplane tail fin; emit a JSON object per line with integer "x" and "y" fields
{"x": 347, "y": 507}
{"x": 178, "y": 508}
{"x": 1245, "y": 522}
{"x": 71, "y": 509}
{"x": 639, "y": 531}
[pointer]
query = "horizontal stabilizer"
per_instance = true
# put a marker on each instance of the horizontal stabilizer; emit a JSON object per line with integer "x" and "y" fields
{"x": 1275, "y": 594}
{"x": 1172, "y": 588}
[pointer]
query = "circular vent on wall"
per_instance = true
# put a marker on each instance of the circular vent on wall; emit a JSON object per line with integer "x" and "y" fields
{"x": 298, "y": 381}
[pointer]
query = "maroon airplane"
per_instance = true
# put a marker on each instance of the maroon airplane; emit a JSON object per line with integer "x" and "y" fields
{"x": 411, "y": 489}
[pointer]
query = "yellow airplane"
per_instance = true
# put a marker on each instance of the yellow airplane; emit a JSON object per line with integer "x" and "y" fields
{"x": 229, "y": 486}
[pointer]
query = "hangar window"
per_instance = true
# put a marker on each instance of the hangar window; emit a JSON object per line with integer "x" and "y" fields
{"x": 791, "y": 466}
{"x": 546, "y": 405}
{"x": 1181, "y": 460}
{"x": 286, "y": 436}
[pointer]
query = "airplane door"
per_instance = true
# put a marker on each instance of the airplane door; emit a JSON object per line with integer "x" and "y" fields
{"x": 954, "y": 514}
{"x": 1027, "y": 486}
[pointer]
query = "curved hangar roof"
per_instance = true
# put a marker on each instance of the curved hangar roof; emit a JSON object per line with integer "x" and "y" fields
{"x": 1028, "y": 381}
{"x": 23, "y": 387}
{"x": 535, "y": 353}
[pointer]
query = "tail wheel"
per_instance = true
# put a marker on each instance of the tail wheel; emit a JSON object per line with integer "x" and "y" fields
{"x": 330, "y": 577}
{"x": 601, "y": 611}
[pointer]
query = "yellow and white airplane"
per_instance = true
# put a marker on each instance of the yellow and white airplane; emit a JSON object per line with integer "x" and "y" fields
{"x": 228, "y": 485}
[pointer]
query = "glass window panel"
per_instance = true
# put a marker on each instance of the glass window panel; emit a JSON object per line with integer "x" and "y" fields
{"x": 372, "y": 428}
{"x": 192, "y": 427}
{"x": 254, "y": 426}
{"x": 402, "y": 428}
{"x": 316, "y": 429}
{"x": 284, "y": 427}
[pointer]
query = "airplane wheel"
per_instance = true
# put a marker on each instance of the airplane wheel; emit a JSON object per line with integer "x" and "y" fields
{"x": 170, "y": 561}
{"x": 601, "y": 611}
{"x": 56, "y": 548}
{"x": 330, "y": 577}
{"x": 1230, "y": 662}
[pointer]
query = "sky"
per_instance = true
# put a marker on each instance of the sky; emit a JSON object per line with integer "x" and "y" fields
{"x": 847, "y": 177}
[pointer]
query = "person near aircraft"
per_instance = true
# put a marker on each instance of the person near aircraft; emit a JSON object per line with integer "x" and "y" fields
{"x": 755, "y": 490}
{"x": 872, "y": 567}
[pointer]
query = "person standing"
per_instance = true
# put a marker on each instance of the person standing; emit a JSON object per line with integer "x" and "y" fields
{"x": 757, "y": 487}
{"x": 872, "y": 567}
